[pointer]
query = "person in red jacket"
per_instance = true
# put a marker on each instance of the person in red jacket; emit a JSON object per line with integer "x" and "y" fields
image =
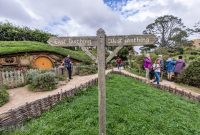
{"x": 119, "y": 62}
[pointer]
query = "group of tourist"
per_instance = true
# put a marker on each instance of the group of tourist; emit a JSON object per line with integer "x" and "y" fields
{"x": 154, "y": 70}
{"x": 172, "y": 66}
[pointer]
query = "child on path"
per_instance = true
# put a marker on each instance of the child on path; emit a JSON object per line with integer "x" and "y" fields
{"x": 119, "y": 63}
{"x": 157, "y": 70}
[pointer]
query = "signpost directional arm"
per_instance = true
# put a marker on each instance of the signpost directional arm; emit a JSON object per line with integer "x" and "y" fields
{"x": 86, "y": 41}
{"x": 113, "y": 54}
{"x": 89, "y": 53}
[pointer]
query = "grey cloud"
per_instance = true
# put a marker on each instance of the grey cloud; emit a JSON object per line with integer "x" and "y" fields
{"x": 10, "y": 9}
{"x": 89, "y": 15}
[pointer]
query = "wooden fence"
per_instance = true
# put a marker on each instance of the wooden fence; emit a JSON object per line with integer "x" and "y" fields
{"x": 12, "y": 78}
{"x": 34, "y": 109}
{"x": 17, "y": 78}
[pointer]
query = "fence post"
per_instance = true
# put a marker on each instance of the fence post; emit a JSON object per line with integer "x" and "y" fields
{"x": 11, "y": 80}
{"x": 7, "y": 77}
{"x": 1, "y": 78}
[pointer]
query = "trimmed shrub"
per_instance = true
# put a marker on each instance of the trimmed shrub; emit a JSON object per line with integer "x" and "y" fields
{"x": 194, "y": 53}
{"x": 191, "y": 75}
{"x": 113, "y": 63}
{"x": 192, "y": 57}
{"x": 30, "y": 75}
{"x": 4, "y": 96}
{"x": 42, "y": 80}
{"x": 61, "y": 77}
{"x": 180, "y": 50}
{"x": 87, "y": 69}
{"x": 125, "y": 64}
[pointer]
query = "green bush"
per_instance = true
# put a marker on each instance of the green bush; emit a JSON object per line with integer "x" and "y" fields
{"x": 30, "y": 75}
{"x": 16, "y": 33}
{"x": 125, "y": 63}
{"x": 123, "y": 53}
{"x": 113, "y": 63}
{"x": 87, "y": 69}
{"x": 161, "y": 50}
{"x": 61, "y": 77}
{"x": 4, "y": 96}
{"x": 192, "y": 57}
{"x": 194, "y": 53}
{"x": 139, "y": 60}
{"x": 191, "y": 75}
{"x": 42, "y": 80}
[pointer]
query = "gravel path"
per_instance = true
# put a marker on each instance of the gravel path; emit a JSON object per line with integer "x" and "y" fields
{"x": 21, "y": 96}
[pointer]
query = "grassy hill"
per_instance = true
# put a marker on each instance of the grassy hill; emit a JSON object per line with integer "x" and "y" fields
{"x": 12, "y": 47}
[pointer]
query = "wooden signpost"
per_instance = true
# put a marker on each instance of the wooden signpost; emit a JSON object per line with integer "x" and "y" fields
{"x": 101, "y": 41}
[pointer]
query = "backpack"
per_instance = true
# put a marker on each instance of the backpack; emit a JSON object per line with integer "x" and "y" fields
{"x": 67, "y": 63}
{"x": 151, "y": 73}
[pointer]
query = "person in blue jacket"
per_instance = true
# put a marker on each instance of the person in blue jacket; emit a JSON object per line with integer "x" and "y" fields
{"x": 170, "y": 66}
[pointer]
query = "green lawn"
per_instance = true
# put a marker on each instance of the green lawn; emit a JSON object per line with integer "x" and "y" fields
{"x": 11, "y": 47}
{"x": 133, "y": 108}
{"x": 136, "y": 71}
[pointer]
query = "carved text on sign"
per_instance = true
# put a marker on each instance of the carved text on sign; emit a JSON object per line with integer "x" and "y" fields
{"x": 114, "y": 41}
{"x": 79, "y": 41}
{"x": 72, "y": 41}
{"x": 128, "y": 40}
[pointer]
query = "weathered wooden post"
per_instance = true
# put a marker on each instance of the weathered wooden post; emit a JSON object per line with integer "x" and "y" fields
{"x": 101, "y": 80}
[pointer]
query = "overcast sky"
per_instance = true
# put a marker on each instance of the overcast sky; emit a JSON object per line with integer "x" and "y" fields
{"x": 84, "y": 17}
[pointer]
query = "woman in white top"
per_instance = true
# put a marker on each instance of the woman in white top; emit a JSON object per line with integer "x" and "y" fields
{"x": 157, "y": 70}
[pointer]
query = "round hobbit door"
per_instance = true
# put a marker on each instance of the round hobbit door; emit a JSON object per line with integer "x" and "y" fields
{"x": 43, "y": 62}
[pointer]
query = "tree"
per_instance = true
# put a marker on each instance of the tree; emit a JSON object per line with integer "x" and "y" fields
{"x": 147, "y": 48}
{"x": 123, "y": 53}
{"x": 9, "y": 32}
{"x": 179, "y": 37}
{"x": 168, "y": 29}
{"x": 196, "y": 29}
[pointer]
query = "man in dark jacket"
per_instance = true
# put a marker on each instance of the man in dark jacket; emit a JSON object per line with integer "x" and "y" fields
{"x": 68, "y": 65}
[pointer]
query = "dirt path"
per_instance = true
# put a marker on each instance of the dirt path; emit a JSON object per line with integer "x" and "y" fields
{"x": 21, "y": 96}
